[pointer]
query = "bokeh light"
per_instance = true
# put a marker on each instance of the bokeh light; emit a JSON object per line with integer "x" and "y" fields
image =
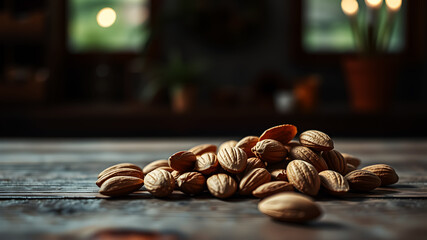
{"x": 374, "y": 3}
{"x": 393, "y": 5}
{"x": 106, "y": 17}
{"x": 349, "y": 7}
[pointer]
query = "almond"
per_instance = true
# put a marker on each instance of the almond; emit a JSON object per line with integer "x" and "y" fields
{"x": 271, "y": 188}
{"x": 154, "y": 165}
{"x": 316, "y": 140}
{"x": 230, "y": 143}
{"x": 182, "y": 161}
{"x": 207, "y": 163}
{"x": 361, "y": 180}
{"x": 279, "y": 175}
{"x": 159, "y": 182}
{"x": 290, "y": 207}
{"x": 351, "y": 159}
{"x": 119, "y": 172}
{"x": 246, "y": 144}
{"x": 308, "y": 155}
{"x": 333, "y": 182}
{"x": 292, "y": 144}
{"x": 253, "y": 163}
{"x": 270, "y": 151}
{"x": 203, "y": 148}
{"x": 221, "y": 185}
{"x": 253, "y": 179}
{"x": 191, "y": 182}
{"x": 349, "y": 168}
{"x": 335, "y": 161}
{"x": 282, "y": 133}
{"x": 385, "y": 172}
{"x": 120, "y": 165}
{"x": 232, "y": 159}
{"x": 120, "y": 185}
{"x": 279, "y": 165}
{"x": 175, "y": 174}
{"x": 167, "y": 168}
{"x": 304, "y": 177}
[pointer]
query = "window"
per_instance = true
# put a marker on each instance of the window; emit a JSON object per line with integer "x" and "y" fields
{"x": 107, "y": 25}
{"x": 325, "y": 28}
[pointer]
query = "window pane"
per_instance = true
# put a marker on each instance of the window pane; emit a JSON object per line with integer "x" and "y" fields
{"x": 327, "y": 29}
{"x": 128, "y": 32}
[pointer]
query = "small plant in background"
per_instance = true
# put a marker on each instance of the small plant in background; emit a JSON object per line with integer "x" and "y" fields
{"x": 372, "y": 33}
{"x": 177, "y": 73}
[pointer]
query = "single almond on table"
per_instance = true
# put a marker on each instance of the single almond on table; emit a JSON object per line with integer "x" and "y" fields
{"x": 207, "y": 163}
{"x": 279, "y": 175}
{"x": 159, "y": 183}
{"x": 385, "y": 172}
{"x": 120, "y": 185}
{"x": 270, "y": 151}
{"x": 191, "y": 182}
{"x": 120, "y": 165}
{"x": 335, "y": 161}
{"x": 290, "y": 207}
{"x": 232, "y": 159}
{"x": 308, "y": 155}
{"x": 316, "y": 140}
{"x": 221, "y": 185}
{"x": 282, "y": 133}
{"x": 271, "y": 188}
{"x": 203, "y": 148}
{"x": 154, "y": 165}
{"x": 361, "y": 180}
{"x": 230, "y": 143}
{"x": 119, "y": 172}
{"x": 182, "y": 161}
{"x": 355, "y": 161}
{"x": 253, "y": 179}
{"x": 246, "y": 144}
{"x": 333, "y": 182}
{"x": 304, "y": 177}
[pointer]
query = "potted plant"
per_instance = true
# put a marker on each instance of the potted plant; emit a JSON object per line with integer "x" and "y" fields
{"x": 181, "y": 79}
{"x": 371, "y": 74}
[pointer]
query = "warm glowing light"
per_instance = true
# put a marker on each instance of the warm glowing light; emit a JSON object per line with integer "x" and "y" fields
{"x": 374, "y": 3}
{"x": 349, "y": 7}
{"x": 106, "y": 17}
{"x": 393, "y": 5}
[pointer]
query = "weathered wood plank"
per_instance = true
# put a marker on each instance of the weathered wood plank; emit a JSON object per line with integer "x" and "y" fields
{"x": 210, "y": 219}
{"x": 47, "y": 190}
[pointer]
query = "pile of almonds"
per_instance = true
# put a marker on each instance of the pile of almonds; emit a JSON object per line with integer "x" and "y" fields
{"x": 283, "y": 172}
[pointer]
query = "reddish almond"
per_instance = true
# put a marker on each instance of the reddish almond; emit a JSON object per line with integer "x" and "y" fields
{"x": 282, "y": 133}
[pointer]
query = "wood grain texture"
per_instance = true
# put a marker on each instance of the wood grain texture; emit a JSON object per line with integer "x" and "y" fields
{"x": 48, "y": 191}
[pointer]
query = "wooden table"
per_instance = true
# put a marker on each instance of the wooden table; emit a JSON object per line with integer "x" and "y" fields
{"x": 48, "y": 191}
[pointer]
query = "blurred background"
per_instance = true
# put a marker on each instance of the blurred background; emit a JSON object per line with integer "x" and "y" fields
{"x": 156, "y": 68}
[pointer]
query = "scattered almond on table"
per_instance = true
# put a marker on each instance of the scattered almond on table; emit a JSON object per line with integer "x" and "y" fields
{"x": 284, "y": 173}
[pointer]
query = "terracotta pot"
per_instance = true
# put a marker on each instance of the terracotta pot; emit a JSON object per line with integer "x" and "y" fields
{"x": 184, "y": 99}
{"x": 370, "y": 82}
